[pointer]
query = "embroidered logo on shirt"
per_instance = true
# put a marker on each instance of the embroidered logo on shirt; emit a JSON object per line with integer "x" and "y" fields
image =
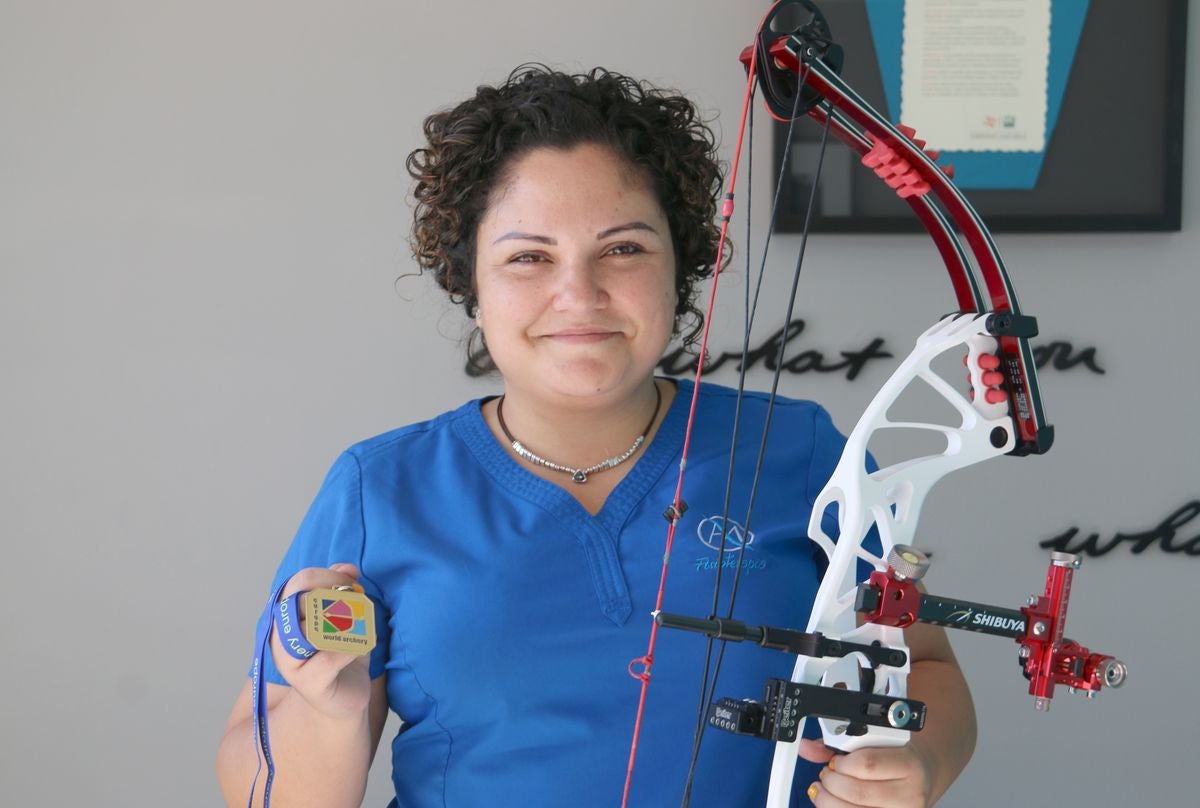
{"x": 736, "y": 538}
{"x": 709, "y": 532}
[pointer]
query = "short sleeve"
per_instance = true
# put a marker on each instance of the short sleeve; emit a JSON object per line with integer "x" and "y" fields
{"x": 333, "y": 531}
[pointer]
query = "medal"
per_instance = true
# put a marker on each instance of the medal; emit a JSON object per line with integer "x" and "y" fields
{"x": 340, "y": 619}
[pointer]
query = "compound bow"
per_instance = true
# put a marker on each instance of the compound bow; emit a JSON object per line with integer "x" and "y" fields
{"x": 853, "y": 677}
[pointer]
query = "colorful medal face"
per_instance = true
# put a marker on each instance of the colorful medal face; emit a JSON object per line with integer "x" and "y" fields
{"x": 340, "y": 620}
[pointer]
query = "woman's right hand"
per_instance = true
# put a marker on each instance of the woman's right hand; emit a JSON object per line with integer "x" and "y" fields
{"x": 337, "y": 685}
{"x": 329, "y": 720}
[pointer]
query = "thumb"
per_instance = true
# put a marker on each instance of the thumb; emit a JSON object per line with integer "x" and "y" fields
{"x": 814, "y": 751}
{"x": 345, "y": 569}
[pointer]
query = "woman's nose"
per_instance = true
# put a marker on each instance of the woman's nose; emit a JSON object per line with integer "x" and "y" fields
{"x": 580, "y": 285}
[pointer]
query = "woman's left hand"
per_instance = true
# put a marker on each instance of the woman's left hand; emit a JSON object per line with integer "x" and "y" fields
{"x": 895, "y": 777}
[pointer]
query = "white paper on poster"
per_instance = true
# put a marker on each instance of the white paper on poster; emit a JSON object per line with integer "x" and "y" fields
{"x": 973, "y": 73}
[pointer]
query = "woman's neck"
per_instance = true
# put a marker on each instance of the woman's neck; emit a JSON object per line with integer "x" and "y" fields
{"x": 582, "y": 434}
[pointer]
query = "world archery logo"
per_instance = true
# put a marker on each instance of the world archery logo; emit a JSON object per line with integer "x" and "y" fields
{"x": 341, "y": 616}
{"x": 340, "y": 620}
{"x": 709, "y": 532}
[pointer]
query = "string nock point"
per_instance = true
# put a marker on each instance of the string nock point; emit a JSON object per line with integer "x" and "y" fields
{"x": 727, "y": 207}
{"x": 640, "y": 668}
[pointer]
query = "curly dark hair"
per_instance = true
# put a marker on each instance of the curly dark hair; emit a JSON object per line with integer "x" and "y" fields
{"x": 471, "y": 146}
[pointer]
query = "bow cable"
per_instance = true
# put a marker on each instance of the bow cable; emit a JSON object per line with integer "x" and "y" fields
{"x": 709, "y": 682}
{"x": 675, "y": 510}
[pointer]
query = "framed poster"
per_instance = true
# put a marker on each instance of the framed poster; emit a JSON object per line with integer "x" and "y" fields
{"x": 1110, "y": 153}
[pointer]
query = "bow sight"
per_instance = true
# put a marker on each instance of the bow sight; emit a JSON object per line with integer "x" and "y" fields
{"x": 1047, "y": 658}
{"x": 892, "y": 598}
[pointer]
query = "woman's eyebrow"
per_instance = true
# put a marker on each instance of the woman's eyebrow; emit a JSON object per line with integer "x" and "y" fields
{"x": 516, "y": 235}
{"x": 627, "y": 226}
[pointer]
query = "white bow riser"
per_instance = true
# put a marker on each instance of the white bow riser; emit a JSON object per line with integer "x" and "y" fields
{"x": 890, "y": 500}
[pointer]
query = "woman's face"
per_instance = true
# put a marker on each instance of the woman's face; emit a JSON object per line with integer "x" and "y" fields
{"x": 575, "y": 276}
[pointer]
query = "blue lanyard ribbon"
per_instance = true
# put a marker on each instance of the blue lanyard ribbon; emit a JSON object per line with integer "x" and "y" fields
{"x": 262, "y": 737}
{"x": 285, "y": 616}
{"x": 287, "y": 626}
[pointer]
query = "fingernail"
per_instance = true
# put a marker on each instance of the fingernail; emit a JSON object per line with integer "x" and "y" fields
{"x": 812, "y": 792}
{"x": 821, "y": 775}
{"x": 831, "y": 760}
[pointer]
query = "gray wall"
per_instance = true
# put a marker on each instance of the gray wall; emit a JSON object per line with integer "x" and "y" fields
{"x": 202, "y": 223}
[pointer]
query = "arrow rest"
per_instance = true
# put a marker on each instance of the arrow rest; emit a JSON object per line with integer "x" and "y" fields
{"x": 785, "y": 705}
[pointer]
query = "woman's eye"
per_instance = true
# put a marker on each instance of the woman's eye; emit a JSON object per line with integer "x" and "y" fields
{"x": 626, "y": 249}
{"x": 525, "y": 258}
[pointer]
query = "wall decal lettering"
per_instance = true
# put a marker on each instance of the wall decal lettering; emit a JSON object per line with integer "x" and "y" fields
{"x": 679, "y": 361}
{"x": 1165, "y": 534}
{"x": 1058, "y": 355}
{"x": 1061, "y": 355}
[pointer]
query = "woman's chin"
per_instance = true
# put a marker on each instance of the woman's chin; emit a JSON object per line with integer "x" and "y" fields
{"x": 586, "y": 379}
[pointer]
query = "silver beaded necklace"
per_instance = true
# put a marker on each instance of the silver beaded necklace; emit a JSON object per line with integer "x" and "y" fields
{"x": 578, "y": 475}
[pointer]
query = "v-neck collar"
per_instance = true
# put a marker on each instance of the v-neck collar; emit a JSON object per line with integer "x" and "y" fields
{"x": 597, "y": 534}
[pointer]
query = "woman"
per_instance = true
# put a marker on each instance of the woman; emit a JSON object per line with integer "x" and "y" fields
{"x": 512, "y": 547}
